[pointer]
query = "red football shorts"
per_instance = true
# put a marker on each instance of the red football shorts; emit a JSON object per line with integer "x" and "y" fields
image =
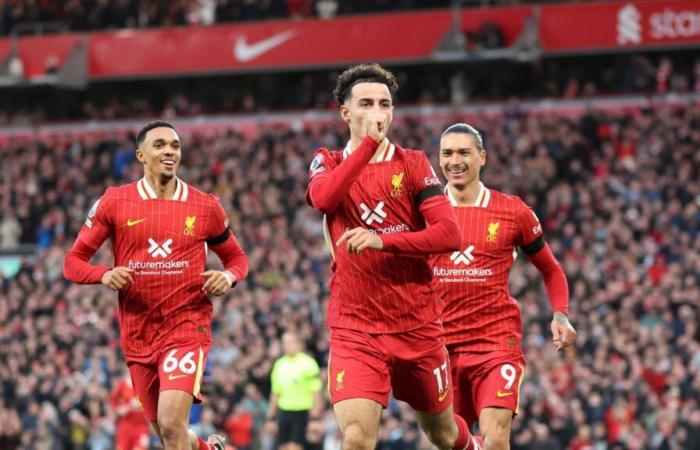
{"x": 177, "y": 367}
{"x": 414, "y": 365}
{"x": 486, "y": 379}
{"x": 133, "y": 435}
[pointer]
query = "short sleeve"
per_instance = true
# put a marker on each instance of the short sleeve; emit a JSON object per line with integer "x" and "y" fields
{"x": 313, "y": 375}
{"x": 274, "y": 378}
{"x": 529, "y": 227}
{"x": 98, "y": 224}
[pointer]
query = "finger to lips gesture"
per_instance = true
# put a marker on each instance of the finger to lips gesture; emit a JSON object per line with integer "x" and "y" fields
{"x": 377, "y": 125}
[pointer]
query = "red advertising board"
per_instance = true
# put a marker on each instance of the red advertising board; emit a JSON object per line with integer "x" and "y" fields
{"x": 285, "y": 44}
{"x": 40, "y": 54}
{"x": 4, "y": 48}
{"x": 617, "y": 25}
{"x": 277, "y": 44}
{"x": 388, "y": 38}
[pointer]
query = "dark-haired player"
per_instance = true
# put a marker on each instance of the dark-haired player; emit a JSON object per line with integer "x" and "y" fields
{"x": 160, "y": 230}
{"x": 482, "y": 321}
{"x": 385, "y": 212}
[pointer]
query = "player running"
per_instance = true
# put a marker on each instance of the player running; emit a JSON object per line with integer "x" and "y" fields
{"x": 160, "y": 230}
{"x": 385, "y": 212}
{"x": 481, "y": 320}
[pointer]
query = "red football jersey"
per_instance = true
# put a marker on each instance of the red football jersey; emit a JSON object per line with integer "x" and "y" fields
{"x": 480, "y": 314}
{"x": 163, "y": 241}
{"x": 375, "y": 291}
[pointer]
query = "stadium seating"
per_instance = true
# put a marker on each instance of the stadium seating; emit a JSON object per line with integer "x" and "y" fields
{"x": 84, "y": 15}
{"x": 619, "y": 198}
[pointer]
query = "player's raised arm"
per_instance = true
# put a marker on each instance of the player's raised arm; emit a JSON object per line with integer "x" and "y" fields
{"x": 328, "y": 183}
{"x": 442, "y": 233}
{"x": 226, "y": 246}
{"x": 97, "y": 229}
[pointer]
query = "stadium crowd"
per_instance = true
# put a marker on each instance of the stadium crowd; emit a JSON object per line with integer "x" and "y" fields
{"x": 86, "y": 15}
{"x": 420, "y": 85}
{"x": 619, "y": 199}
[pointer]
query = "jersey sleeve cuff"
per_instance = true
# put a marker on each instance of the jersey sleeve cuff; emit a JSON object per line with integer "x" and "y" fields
{"x": 387, "y": 242}
{"x": 371, "y": 144}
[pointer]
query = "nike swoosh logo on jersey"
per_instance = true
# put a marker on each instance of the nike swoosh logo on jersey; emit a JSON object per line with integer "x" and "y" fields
{"x": 443, "y": 396}
{"x": 131, "y": 223}
{"x": 172, "y": 377}
{"x": 245, "y": 52}
{"x": 501, "y": 394}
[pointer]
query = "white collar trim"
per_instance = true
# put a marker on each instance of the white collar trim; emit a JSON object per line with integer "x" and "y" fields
{"x": 482, "y": 200}
{"x": 385, "y": 152}
{"x": 146, "y": 192}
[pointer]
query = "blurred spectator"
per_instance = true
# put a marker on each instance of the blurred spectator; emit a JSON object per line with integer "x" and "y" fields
{"x": 619, "y": 199}
{"x": 85, "y": 15}
{"x": 420, "y": 84}
{"x": 326, "y": 9}
{"x": 10, "y": 230}
{"x": 132, "y": 429}
{"x": 239, "y": 428}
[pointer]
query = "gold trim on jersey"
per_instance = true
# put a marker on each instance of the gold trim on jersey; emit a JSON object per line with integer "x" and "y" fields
{"x": 520, "y": 383}
{"x": 385, "y": 152}
{"x": 200, "y": 370}
{"x": 482, "y": 200}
